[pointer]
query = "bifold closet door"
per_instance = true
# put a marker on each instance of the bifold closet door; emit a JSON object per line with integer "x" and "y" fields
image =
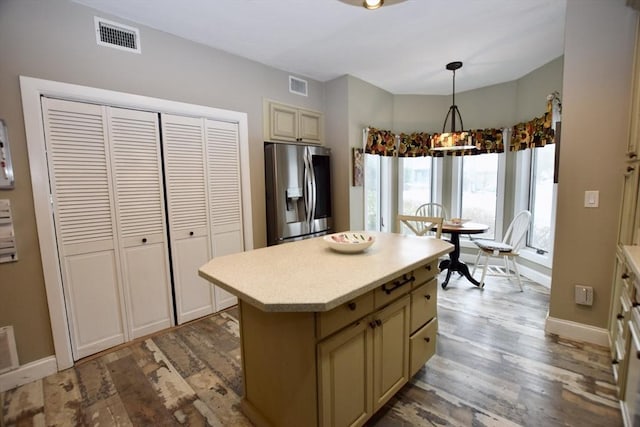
{"x": 85, "y": 226}
{"x": 106, "y": 180}
{"x": 187, "y": 203}
{"x": 225, "y": 196}
{"x": 134, "y": 137}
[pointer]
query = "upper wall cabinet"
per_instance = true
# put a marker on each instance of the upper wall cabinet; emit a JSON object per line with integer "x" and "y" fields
{"x": 288, "y": 123}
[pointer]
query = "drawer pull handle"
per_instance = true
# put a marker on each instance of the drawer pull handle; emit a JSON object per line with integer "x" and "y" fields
{"x": 427, "y": 296}
{"x": 428, "y": 267}
{"x": 630, "y": 169}
{"x": 614, "y": 362}
{"x": 625, "y": 275}
{"x": 144, "y": 240}
{"x": 632, "y": 155}
{"x": 378, "y": 322}
{"x": 427, "y": 339}
{"x": 620, "y": 316}
{"x": 372, "y": 324}
{"x": 352, "y": 306}
{"x": 397, "y": 284}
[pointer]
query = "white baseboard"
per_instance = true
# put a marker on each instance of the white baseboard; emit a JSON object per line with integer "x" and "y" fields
{"x": 29, "y": 372}
{"x": 577, "y": 331}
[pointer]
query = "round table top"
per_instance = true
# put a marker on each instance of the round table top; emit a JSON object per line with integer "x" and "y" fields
{"x": 466, "y": 228}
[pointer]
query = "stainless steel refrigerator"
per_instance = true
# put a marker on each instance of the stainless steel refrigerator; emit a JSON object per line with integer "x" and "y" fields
{"x": 298, "y": 191}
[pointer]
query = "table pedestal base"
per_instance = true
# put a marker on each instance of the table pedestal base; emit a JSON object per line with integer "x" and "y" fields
{"x": 454, "y": 264}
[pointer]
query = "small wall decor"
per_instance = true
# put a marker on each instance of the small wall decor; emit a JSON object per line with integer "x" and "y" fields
{"x": 358, "y": 167}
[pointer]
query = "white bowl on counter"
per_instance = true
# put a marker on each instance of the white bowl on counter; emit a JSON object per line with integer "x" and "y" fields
{"x": 349, "y": 241}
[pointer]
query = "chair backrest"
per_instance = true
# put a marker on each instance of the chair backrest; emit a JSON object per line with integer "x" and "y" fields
{"x": 432, "y": 209}
{"x": 517, "y": 231}
{"x": 420, "y": 225}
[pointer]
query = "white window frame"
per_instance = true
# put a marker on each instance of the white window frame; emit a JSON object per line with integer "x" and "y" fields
{"x": 524, "y": 163}
{"x": 384, "y": 207}
{"x": 456, "y": 195}
{"x": 435, "y": 190}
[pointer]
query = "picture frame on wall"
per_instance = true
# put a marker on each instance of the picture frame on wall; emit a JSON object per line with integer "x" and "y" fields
{"x": 358, "y": 167}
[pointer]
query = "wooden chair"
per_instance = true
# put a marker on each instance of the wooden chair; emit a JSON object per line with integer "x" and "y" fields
{"x": 420, "y": 225}
{"x": 432, "y": 209}
{"x": 508, "y": 249}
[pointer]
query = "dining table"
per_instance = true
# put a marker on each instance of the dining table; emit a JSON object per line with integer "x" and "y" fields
{"x": 454, "y": 263}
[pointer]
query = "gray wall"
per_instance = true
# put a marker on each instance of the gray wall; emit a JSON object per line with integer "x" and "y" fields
{"x": 55, "y": 40}
{"x": 599, "y": 43}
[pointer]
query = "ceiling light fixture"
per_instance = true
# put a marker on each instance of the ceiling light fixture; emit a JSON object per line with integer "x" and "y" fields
{"x": 372, "y": 4}
{"x": 453, "y": 140}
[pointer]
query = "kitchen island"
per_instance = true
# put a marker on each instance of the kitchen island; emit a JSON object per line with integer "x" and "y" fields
{"x": 327, "y": 338}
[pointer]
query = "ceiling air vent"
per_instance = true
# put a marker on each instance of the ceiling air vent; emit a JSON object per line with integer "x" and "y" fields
{"x": 116, "y": 35}
{"x": 297, "y": 86}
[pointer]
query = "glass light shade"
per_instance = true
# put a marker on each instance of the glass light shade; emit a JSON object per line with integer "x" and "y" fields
{"x": 372, "y": 4}
{"x": 452, "y": 141}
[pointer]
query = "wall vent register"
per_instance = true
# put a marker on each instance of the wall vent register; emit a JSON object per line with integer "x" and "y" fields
{"x": 118, "y": 36}
{"x": 298, "y": 86}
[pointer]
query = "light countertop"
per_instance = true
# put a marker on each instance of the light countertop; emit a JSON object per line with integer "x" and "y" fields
{"x": 308, "y": 276}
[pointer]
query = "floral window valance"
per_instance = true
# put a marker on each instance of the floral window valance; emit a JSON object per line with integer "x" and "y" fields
{"x": 380, "y": 142}
{"x": 416, "y": 144}
{"x": 534, "y": 133}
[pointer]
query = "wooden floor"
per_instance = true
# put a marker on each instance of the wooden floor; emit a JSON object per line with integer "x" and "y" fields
{"x": 494, "y": 367}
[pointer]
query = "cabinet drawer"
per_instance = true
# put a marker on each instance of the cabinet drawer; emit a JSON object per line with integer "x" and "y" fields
{"x": 422, "y": 345}
{"x": 423, "y": 304}
{"x": 330, "y": 321}
{"x": 425, "y": 273}
{"x": 393, "y": 289}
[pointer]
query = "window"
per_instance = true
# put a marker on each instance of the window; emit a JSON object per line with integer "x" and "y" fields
{"x": 372, "y": 194}
{"x": 415, "y": 186}
{"x": 478, "y": 190}
{"x": 377, "y": 192}
{"x": 541, "y": 198}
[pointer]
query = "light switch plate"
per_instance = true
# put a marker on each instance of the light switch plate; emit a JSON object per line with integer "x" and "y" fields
{"x": 591, "y": 199}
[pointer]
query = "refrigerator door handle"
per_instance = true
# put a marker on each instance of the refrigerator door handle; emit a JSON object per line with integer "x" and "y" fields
{"x": 308, "y": 196}
{"x": 314, "y": 189}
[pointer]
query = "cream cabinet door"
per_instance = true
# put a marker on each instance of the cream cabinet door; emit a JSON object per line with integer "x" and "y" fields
{"x": 390, "y": 350}
{"x": 310, "y": 126}
{"x": 84, "y": 219}
{"x": 283, "y": 122}
{"x": 344, "y": 383}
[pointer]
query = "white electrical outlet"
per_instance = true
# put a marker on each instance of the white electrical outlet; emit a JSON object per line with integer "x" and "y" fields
{"x": 584, "y": 295}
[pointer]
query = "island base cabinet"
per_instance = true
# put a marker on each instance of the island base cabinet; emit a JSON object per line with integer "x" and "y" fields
{"x": 338, "y": 367}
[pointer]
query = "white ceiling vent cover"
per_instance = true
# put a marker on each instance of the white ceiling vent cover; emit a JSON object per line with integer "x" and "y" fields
{"x": 8, "y": 353}
{"x": 118, "y": 36}
{"x": 297, "y": 86}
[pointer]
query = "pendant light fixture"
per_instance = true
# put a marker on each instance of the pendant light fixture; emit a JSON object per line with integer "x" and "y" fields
{"x": 453, "y": 140}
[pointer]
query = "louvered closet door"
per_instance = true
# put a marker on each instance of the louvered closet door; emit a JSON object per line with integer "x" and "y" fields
{"x": 225, "y": 197}
{"x": 84, "y": 223}
{"x": 134, "y": 137}
{"x": 185, "y": 175}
